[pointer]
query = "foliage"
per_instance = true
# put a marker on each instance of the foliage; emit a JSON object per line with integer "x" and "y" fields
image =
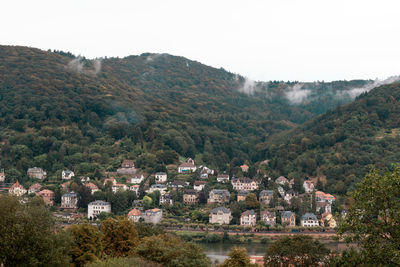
{"x": 28, "y": 236}
{"x": 86, "y": 246}
{"x": 251, "y": 201}
{"x": 119, "y": 237}
{"x": 123, "y": 262}
{"x": 171, "y": 251}
{"x": 237, "y": 258}
{"x": 373, "y": 220}
{"x": 299, "y": 250}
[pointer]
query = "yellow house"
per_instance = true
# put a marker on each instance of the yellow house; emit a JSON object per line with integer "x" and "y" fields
{"x": 328, "y": 218}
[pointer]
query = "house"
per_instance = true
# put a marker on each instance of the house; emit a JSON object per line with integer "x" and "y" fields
{"x": 119, "y": 187}
{"x": 35, "y": 188}
{"x": 322, "y": 197}
{"x": 67, "y": 175}
{"x": 199, "y": 185}
{"x": 166, "y": 199}
{"x": 161, "y": 177}
{"x": 244, "y": 168}
{"x": 187, "y": 166}
{"x": 220, "y": 215}
{"x": 288, "y": 218}
{"x": 190, "y": 197}
{"x": 137, "y": 204}
{"x": 17, "y": 189}
{"x": 93, "y": 188}
{"x": 309, "y": 220}
{"x": 157, "y": 187}
{"x": 218, "y": 196}
{"x": 137, "y": 178}
{"x": 127, "y": 168}
{"x": 223, "y": 178}
{"x": 282, "y": 180}
{"x": 178, "y": 184}
{"x": 152, "y": 216}
{"x": 244, "y": 184}
{"x": 205, "y": 172}
{"x": 128, "y": 164}
{"x": 84, "y": 179}
{"x": 289, "y": 195}
{"x": 308, "y": 186}
{"x": 48, "y": 196}
{"x": 112, "y": 181}
{"x": 2, "y": 176}
{"x": 97, "y": 207}
{"x": 268, "y": 217}
{"x": 242, "y": 194}
{"x": 37, "y": 173}
{"x": 135, "y": 215}
{"x": 69, "y": 201}
{"x": 134, "y": 188}
{"x": 281, "y": 191}
{"x": 266, "y": 196}
{"x": 326, "y": 207}
{"x": 327, "y": 220}
{"x": 248, "y": 218}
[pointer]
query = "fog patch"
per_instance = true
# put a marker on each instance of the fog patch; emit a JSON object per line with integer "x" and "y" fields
{"x": 296, "y": 94}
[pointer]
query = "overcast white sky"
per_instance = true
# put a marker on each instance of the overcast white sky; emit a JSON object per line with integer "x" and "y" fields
{"x": 303, "y": 40}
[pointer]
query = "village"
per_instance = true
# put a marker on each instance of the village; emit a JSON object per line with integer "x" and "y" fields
{"x": 253, "y": 203}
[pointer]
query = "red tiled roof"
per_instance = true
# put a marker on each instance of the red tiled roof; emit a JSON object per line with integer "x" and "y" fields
{"x": 134, "y": 212}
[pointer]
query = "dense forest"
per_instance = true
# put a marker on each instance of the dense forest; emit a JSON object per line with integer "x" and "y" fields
{"x": 61, "y": 111}
{"x": 343, "y": 143}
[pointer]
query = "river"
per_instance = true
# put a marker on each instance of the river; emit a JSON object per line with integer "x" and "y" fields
{"x": 219, "y": 251}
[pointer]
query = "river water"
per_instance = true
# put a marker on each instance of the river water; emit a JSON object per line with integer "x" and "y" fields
{"x": 219, "y": 251}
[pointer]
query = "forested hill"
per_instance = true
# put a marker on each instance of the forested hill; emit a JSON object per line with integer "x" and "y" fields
{"x": 61, "y": 111}
{"x": 342, "y": 143}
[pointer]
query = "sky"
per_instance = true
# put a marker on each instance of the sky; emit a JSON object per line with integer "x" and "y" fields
{"x": 296, "y": 40}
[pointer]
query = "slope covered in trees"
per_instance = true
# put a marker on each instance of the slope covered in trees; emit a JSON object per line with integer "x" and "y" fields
{"x": 342, "y": 143}
{"x": 61, "y": 111}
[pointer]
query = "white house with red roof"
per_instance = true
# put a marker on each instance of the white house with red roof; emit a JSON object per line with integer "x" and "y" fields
{"x": 93, "y": 188}
{"x": 17, "y": 189}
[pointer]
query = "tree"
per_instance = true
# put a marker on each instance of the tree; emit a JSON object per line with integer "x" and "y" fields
{"x": 86, "y": 246}
{"x": 237, "y": 258}
{"x": 299, "y": 250}
{"x": 28, "y": 236}
{"x": 251, "y": 201}
{"x": 373, "y": 220}
{"x": 171, "y": 251}
{"x": 84, "y": 196}
{"x": 147, "y": 201}
{"x": 119, "y": 237}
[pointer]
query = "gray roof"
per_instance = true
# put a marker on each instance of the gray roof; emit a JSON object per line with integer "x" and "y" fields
{"x": 220, "y": 191}
{"x": 268, "y": 213}
{"x": 266, "y": 193}
{"x": 309, "y": 216}
{"x": 161, "y": 173}
{"x": 248, "y": 212}
{"x": 158, "y": 186}
{"x": 72, "y": 194}
{"x": 243, "y": 193}
{"x": 99, "y": 203}
{"x": 223, "y": 209}
{"x": 286, "y": 214}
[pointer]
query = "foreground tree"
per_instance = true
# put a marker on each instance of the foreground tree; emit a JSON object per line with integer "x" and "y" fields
{"x": 119, "y": 237}
{"x": 28, "y": 236}
{"x": 299, "y": 250}
{"x": 86, "y": 246}
{"x": 171, "y": 251}
{"x": 237, "y": 258}
{"x": 373, "y": 220}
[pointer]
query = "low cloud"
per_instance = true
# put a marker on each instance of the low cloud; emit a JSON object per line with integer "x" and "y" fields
{"x": 77, "y": 65}
{"x": 354, "y": 92}
{"x": 296, "y": 94}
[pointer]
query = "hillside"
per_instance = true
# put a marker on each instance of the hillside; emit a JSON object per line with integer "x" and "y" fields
{"x": 342, "y": 143}
{"x": 61, "y": 111}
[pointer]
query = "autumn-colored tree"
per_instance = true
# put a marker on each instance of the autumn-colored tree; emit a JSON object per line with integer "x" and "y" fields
{"x": 171, "y": 251}
{"x": 86, "y": 246}
{"x": 251, "y": 201}
{"x": 119, "y": 237}
{"x": 237, "y": 258}
{"x": 299, "y": 250}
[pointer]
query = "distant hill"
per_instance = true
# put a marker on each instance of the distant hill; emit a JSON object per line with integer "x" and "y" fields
{"x": 342, "y": 143}
{"x": 61, "y": 111}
